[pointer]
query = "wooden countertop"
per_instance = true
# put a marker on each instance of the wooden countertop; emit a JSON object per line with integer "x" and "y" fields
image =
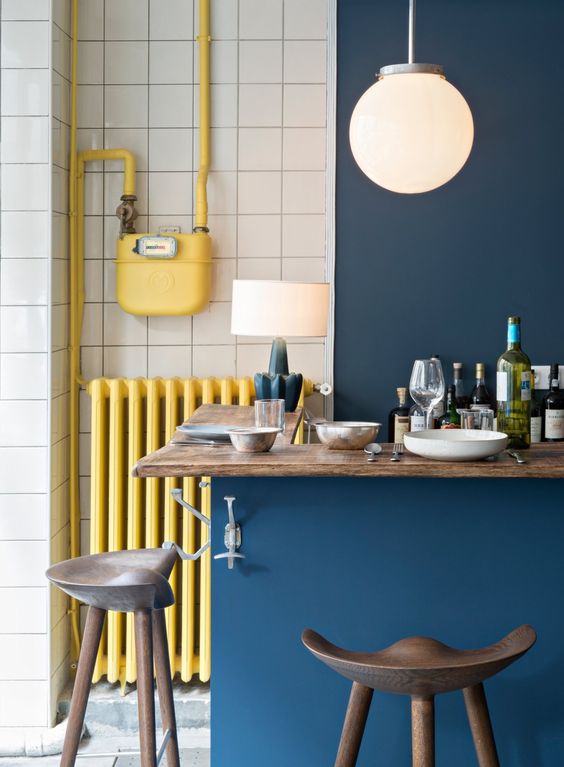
{"x": 543, "y": 461}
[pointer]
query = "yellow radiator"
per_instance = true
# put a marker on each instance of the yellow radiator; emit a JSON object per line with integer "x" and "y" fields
{"x": 131, "y": 417}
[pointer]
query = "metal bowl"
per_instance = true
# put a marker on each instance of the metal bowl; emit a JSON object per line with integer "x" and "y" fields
{"x": 257, "y": 439}
{"x": 347, "y": 435}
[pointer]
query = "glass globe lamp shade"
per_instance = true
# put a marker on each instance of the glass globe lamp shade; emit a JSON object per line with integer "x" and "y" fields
{"x": 411, "y": 132}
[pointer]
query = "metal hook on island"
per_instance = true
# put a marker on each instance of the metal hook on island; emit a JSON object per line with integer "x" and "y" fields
{"x": 232, "y": 537}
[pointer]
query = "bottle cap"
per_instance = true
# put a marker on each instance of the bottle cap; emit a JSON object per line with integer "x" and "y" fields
{"x": 480, "y": 368}
{"x": 514, "y": 320}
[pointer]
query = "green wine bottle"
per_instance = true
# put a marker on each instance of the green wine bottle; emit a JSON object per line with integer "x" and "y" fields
{"x": 514, "y": 389}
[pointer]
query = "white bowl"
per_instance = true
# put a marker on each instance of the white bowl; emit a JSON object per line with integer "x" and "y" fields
{"x": 455, "y": 444}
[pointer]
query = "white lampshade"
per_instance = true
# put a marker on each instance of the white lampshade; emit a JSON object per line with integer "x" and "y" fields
{"x": 277, "y": 309}
{"x": 411, "y": 132}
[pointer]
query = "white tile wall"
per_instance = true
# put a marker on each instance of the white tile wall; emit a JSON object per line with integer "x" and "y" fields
{"x": 24, "y": 369}
{"x": 138, "y": 75}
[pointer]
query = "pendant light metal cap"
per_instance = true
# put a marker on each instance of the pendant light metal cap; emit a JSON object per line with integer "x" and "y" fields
{"x": 410, "y": 69}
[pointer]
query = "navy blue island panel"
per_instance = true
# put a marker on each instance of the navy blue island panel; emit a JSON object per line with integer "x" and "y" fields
{"x": 366, "y": 562}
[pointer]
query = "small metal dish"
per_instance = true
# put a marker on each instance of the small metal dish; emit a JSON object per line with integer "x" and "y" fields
{"x": 347, "y": 435}
{"x": 256, "y": 439}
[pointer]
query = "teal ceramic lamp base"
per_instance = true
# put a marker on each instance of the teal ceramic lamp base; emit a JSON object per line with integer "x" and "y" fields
{"x": 279, "y": 383}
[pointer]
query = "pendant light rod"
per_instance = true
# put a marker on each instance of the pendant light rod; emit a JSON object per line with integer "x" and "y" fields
{"x": 411, "y": 43}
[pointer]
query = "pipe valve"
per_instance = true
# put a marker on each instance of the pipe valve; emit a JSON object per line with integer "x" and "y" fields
{"x": 127, "y": 213}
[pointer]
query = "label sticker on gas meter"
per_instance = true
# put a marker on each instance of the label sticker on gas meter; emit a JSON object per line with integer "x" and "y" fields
{"x": 156, "y": 247}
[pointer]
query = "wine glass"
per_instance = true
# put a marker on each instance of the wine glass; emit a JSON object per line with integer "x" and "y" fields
{"x": 427, "y": 386}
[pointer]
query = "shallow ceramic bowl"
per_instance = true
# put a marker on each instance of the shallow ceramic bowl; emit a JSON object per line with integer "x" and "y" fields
{"x": 347, "y": 435}
{"x": 455, "y": 444}
{"x": 256, "y": 439}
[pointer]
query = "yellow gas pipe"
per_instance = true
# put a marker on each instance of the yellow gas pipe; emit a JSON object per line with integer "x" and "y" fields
{"x": 204, "y": 40}
{"x": 77, "y": 162}
{"x": 76, "y": 247}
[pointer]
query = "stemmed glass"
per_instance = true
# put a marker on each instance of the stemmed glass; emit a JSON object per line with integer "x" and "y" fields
{"x": 427, "y": 386}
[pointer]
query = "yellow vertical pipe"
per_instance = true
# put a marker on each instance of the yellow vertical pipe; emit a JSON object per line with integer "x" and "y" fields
{"x": 116, "y": 537}
{"x": 204, "y": 40}
{"x": 246, "y": 391}
{"x": 134, "y": 506}
{"x": 152, "y": 485}
{"x": 188, "y": 616}
{"x": 98, "y": 490}
{"x": 208, "y": 397}
{"x": 170, "y": 532}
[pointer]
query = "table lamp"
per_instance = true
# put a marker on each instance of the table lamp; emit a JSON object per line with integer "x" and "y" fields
{"x": 276, "y": 309}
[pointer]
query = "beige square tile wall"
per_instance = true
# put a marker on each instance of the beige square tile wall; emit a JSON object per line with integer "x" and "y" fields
{"x": 138, "y": 74}
{"x": 138, "y": 89}
{"x": 25, "y": 390}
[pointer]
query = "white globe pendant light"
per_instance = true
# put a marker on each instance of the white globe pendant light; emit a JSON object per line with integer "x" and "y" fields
{"x": 411, "y": 131}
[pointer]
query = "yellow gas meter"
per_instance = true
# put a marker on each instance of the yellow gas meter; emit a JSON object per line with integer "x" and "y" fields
{"x": 164, "y": 274}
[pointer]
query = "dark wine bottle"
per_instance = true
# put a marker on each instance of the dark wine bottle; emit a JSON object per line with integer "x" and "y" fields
{"x": 416, "y": 418}
{"x": 480, "y": 396}
{"x": 553, "y": 410}
{"x": 462, "y": 399}
{"x": 536, "y": 413}
{"x": 398, "y": 420}
{"x": 450, "y": 419}
{"x": 514, "y": 389}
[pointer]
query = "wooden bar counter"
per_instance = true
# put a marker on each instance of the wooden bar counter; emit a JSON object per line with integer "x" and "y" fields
{"x": 544, "y": 461}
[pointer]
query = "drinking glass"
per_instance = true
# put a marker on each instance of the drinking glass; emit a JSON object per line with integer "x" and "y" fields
{"x": 477, "y": 419}
{"x": 427, "y": 386}
{"x": 270, "y": 412}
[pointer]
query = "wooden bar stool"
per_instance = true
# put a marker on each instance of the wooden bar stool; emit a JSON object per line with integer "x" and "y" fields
{"x": 422, "y": 668}
{"x": 125, "y": 581}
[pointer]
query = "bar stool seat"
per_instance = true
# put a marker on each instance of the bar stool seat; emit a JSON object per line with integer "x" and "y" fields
{"x": 420, "y": 667}
{"x": 124, "y": 581}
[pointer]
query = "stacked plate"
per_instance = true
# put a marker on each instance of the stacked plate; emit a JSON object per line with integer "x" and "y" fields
{"x": 207, "y": 432}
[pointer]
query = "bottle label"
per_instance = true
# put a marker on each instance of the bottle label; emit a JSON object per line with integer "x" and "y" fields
{"x": 536, "y": 428}
{"x": 554, "y": 424}
{"x": 526, "y": 386}
{"x": 417, "y": 423}
{"x": 502, "y": 387}
{"x": 401, "y": 426}
{"x": 513, "y": 334}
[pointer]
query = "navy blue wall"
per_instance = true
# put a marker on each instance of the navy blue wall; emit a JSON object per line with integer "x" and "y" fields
{"x": 365, "y": 562}
{"x": 440, "y": 272}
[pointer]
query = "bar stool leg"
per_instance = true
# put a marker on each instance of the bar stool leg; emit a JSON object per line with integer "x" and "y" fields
{"x": 164, "y": 686}
{"x": 423, "y": 731}
{"x": 88, "y": 651}
{"x": 481, "y": 726}
{"x": 353, "y": 728}
{"x": 145, "y": 688}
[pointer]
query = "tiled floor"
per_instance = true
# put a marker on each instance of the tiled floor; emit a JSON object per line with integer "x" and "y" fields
{"x": 193, "y": 753}
{"x": 189, "y": 757}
